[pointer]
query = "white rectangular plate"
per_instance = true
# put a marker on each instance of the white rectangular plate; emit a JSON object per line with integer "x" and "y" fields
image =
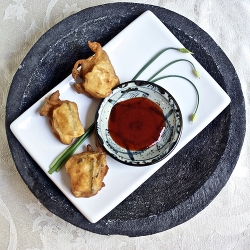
{"x": 128, "y": 51}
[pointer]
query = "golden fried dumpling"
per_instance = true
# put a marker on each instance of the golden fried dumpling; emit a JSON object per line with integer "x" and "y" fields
{"x": 86, "y": 171}
{"x": 97, "y": 72}
{"x": 64, "y": 118}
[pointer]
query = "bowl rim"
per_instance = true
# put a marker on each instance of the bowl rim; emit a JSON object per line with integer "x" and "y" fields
{"x": 138, "y": 83}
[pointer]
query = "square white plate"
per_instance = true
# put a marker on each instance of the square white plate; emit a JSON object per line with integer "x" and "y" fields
{"x": 128, "y": 52}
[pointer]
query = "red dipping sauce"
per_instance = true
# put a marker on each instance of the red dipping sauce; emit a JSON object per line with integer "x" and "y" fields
{"x": 136, "y": 124}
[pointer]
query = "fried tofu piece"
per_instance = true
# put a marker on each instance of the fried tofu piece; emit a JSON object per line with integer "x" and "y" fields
{"x": 64, "y": 118}
{"x": 97, "y": 72}
{"x": 87, "y": 171}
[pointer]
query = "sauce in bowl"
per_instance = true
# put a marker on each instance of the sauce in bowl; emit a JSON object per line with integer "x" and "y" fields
{"x": 136, "y": 123}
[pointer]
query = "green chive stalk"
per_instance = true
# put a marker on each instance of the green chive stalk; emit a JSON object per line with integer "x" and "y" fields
{"x": 182, "y": 50}
{"x": 68, "y": 152}
{"x": 193, "y": 115}
{"x": 166, "y": 66}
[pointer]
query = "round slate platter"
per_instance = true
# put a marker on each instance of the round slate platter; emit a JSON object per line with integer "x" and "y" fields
{"x": 190, "y": 180}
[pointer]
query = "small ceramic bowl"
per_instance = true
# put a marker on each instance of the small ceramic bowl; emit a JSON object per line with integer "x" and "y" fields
{"x": 166, "y": 142}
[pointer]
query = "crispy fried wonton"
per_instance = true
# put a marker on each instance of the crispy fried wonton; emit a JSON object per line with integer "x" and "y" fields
{"x": 64, "y": 118}
{"x": 86, "y": 171}
{"x": 97, "y": 72}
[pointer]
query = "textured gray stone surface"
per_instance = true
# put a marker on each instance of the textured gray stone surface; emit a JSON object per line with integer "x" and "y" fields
{"x": 184, "y": 185}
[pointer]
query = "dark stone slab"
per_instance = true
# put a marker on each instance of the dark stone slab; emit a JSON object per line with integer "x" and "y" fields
{"x": 187, "y": 183}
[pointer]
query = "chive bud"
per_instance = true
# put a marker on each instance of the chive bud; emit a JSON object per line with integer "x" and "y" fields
{"x": 196, "y": 72}
{"x": 193, "y": 117}
{"x": 184, "y": 50}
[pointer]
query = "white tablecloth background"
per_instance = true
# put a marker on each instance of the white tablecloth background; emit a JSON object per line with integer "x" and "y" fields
{"x": 26, "y": 224}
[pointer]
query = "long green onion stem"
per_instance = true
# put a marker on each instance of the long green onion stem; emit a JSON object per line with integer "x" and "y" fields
{"x": 68, "y": 152}
{"x": 182, "y": 50}
{"x": 179, "y": 60}
{"x": 193, "y": 115}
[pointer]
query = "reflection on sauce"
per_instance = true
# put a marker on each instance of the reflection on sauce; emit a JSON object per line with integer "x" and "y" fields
{"x": 136, "y": 124}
